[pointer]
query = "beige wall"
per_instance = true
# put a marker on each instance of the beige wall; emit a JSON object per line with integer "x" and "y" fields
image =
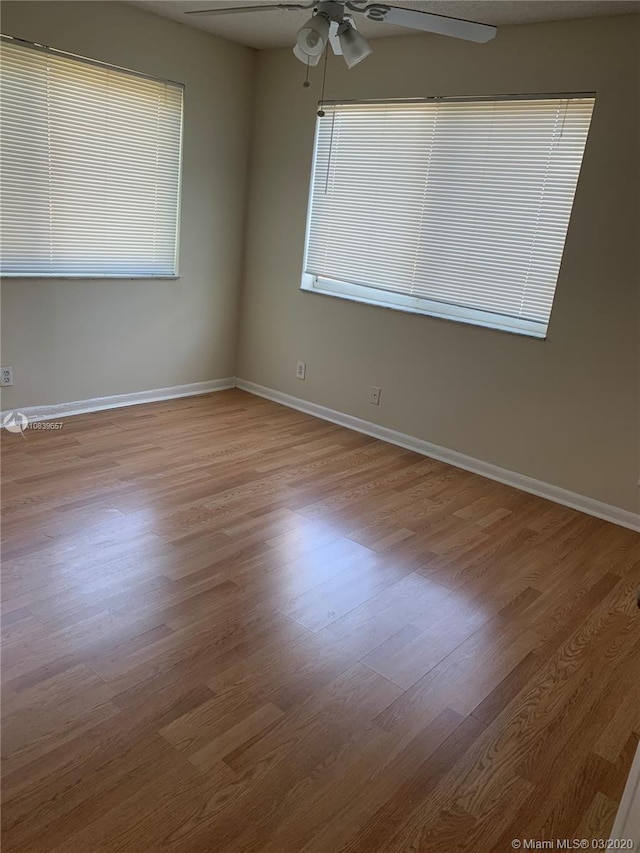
{"x": 75, "y": 339}
{"x": 565, "y": 410}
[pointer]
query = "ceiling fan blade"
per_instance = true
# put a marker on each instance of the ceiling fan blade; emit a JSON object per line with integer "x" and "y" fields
{"x": 454, "y": 27}
{"x": 235, "y": 9}
{"x": 334, "y": 41}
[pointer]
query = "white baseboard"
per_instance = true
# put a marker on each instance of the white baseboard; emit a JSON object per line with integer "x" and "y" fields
{"x": 627, "y": 822}
{"x": 97, "y": 404}
{"x": 460, "y": 460}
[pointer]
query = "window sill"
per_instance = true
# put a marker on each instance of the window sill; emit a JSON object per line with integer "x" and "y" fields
{"x": 409, "y": 305}
{"x": 91, "y": 276}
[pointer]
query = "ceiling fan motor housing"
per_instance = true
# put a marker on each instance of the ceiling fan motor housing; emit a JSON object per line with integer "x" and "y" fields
{"x": 331, "y": 9}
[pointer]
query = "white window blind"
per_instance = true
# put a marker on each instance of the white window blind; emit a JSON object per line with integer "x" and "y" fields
{"x": 90, "y": 168}
{"x": 454, "y": 208}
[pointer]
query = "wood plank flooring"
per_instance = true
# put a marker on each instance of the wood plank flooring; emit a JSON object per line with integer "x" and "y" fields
{"x": 229, "y": 626}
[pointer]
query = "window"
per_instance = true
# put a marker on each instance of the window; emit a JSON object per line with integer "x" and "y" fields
{"x": 455, "y": 208}
{"x": 90, "y": 168}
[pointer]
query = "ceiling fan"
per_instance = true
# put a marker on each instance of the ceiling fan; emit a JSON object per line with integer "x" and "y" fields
{"x": 332, "y": 21}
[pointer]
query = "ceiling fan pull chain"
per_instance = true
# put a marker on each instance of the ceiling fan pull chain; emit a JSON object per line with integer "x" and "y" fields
{"x": 321, "y": 112}
{"x": 306, "y": 83}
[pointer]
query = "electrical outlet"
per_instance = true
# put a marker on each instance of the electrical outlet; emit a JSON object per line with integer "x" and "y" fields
{"x": 6, "y": 376}
{"x": 374, "y": 395}
{"x": 301, "y": 370}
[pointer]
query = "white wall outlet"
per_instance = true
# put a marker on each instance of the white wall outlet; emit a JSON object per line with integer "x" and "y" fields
{"x": 301, "y": 370}
{"x": 6, "y": 376}
{"x": 374, "y": 395}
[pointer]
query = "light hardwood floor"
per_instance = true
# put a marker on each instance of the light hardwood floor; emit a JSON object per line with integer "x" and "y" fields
{"x": 229, "y": 626}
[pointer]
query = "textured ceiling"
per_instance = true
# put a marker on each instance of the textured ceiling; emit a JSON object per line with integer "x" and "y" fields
{"x": 278, "y": 28}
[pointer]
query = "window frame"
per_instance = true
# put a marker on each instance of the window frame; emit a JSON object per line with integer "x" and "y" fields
{"x": 175, "y": 275}
{"x": 366, "y": 294}
{"x": 382, "y": 298}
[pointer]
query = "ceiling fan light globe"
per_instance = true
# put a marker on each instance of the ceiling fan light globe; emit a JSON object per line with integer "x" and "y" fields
{"x": 312, "y": 36}
{"x": 305, "y": 58}
{"x": 354, "y": 46}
